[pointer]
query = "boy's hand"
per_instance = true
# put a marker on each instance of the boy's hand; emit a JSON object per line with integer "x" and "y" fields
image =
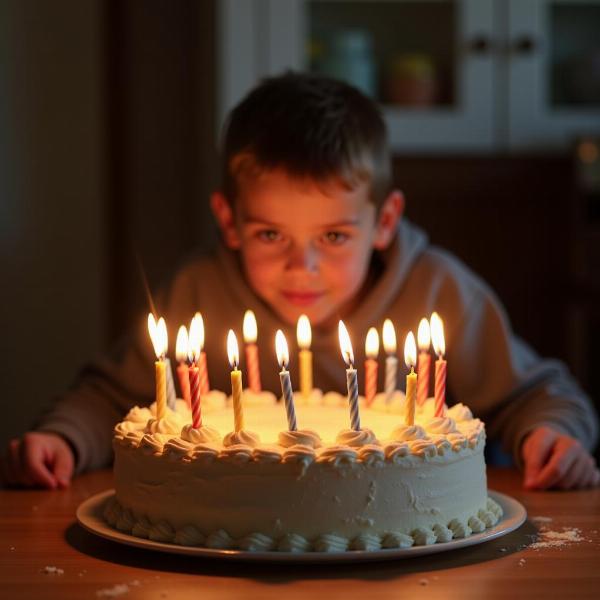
{"x": 38, "y": 459}
{"x": 555, "y": 460}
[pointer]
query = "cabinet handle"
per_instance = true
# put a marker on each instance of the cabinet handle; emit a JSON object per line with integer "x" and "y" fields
{"x": 525, "y": 44}
{"x": 479, "y": 44}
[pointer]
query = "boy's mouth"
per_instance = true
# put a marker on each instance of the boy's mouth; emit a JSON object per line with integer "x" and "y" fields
{"x": 303, "y": 298}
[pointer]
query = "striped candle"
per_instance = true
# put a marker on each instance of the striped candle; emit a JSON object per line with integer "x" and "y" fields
{"x": 391, "y": 361}
{"x": 194, "y": 374}
{"x": 182, "y": 348}
{"x": 351, "y": 376}
{"x": 371, "y": 351}
{"x": 439, "y": 346}
{"x": 281, "y": 349}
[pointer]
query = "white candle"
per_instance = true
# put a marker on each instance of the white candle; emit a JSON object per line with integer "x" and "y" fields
{"x": 391, "y": 361}
{"x": 283, "y": 358}
{"x": 351, "y": 377}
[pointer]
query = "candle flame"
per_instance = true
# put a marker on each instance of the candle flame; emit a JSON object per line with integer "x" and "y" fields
{"x": 304, "y": 333}
{"x": 195, "y": 338}
{"x": 389, "y": 337}
{"x": 437, "y": 334}
{"x": 233, "y": 352}
{"x": 198, "y": 324}
{"x": 424, "y": 335}
{"x": 345, "y": 344}
{"x": 158, "y": 335}
{"x": 372, "y": 343}
{"x": 410, "y": 350}
{"x": 249, "y": 328}
{"x": 181, "y": 345}
{"x": 281, "y": 349}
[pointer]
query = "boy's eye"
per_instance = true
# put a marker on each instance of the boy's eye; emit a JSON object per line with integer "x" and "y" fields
{"x": 334, "y": 238}
{"x": 269, "y": 235}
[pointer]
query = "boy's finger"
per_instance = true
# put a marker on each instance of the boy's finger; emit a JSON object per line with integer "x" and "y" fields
{"x": 63, "y": 467}
{"x": 32, "y": 459}
{"x": 15, "y": 467}
{"x": 536, "y": 450}
{"x": 577, "y": 474}
{"x": 564, "y": 455}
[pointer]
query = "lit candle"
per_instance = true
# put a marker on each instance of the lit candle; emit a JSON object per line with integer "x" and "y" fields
{"x": 171, "y": 396}
{"x": 236, "y": 381}
{"x": 424, "y": 365}
{"x": 202, "y": 366}
{"x": 158, "y": 335}
{"x": 351, "y": 378}
{"x": 391, "y": 361}
{"x": 304, "y": 336}
{"x": 194, "y": 373}
{"x": 371, "y": 350}
{"x": 410, "y": 358}
{"x": 181, "y": 353}
{"x": 250, "y": 331}
{"x": 439, "y": 347}
{"x": 283, "y": 358}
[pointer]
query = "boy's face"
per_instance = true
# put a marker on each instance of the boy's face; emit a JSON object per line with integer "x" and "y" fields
{"x": 305, "y": 247}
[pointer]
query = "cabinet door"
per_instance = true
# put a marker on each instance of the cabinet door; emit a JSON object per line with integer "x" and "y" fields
{"x": 554, "y": 72}
{"x": 429, "y": 63}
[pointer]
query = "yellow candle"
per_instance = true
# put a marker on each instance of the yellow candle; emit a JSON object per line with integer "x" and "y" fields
{"x": 304, "y": 335}
{"x": 410, "y": 358}
{"x": 236, "y": 381}
{"x": 158, "y": 335}
{"x": 161, "y": 388}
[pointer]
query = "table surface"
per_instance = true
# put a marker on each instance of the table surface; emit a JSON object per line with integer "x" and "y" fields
{"x": 38, "y": 530}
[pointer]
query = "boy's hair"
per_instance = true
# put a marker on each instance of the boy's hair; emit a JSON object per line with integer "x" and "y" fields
{"x": 309, "y": 126}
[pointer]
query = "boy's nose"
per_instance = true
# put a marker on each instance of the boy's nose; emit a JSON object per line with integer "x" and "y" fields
{"x": 303, "y": 258}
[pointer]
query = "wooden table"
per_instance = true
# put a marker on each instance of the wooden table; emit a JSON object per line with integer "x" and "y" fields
{"x": 38, "y": 530}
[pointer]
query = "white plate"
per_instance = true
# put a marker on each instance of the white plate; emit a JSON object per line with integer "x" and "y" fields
{"x": 89, "y": 515}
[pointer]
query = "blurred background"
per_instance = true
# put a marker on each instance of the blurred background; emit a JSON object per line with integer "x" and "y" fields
{"x": 110, "y": 112}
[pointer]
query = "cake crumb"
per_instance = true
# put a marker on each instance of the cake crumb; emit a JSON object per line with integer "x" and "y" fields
{"x": 52, "y": 571}
{"x": 12, "y": 548}
{"x": 541, "y": 519}
{"x": 117, "y": 590}
{"x": 423, "y": 581}
{"x": 557, "y": 539}
{"x": 521, "y": 562}
{"x": 503, "y": 549}
{"x": 435, "y": 577}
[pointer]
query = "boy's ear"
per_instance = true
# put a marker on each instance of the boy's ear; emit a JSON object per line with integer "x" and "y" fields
{"x": 389, "y": 215}
{"x": 225, "y": 220}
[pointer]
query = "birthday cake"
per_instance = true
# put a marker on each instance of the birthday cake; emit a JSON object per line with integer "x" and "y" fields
{"x": 321, "y": 488}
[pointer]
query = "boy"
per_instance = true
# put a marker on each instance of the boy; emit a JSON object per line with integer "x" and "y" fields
{"x": 310, "y": 224}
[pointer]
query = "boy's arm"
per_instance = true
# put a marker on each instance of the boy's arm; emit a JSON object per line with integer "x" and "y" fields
{"x": 513, "y": 389}
{"x": 107, "y": 388}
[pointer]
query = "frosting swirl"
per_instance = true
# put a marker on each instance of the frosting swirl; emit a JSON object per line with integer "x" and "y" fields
{"x": 460, "y": 412}
{"x": 169, "y": 424}
{"x": 189, "y": 536}
{"x": 406, "y": 433}
{"x": 292, "y": 542}
{"x": 201, "y": 435}
{"x": 302, "y": 437}
{"x": 441, "y": 425}
{"x": 235, "y": 438}
{"x": 355, "y": 439}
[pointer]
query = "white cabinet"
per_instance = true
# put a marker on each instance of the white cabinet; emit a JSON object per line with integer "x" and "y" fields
{"x": 450, "y": 75}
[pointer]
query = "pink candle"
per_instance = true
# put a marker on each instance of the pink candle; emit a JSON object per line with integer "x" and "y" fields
{"x": 439, "y": 346}
{"x": 250, "y": 331}
{"x": 181, "y": 352}
{"x": 203, "y": 368}
{"x": 371, "y": 366}
{"x": 424, "y": 362}
{"x": 195, "y": 395}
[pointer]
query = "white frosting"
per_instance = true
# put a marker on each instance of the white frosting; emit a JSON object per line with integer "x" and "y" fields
{"x": 324, "y": 487}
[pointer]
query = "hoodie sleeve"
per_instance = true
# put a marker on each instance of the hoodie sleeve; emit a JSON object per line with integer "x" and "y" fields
{"x": 108, "y": 387}
{"x": 508, "y": 384}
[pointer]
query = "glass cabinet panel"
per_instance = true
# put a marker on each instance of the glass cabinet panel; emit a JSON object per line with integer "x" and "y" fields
{"x": 400, "y": 53}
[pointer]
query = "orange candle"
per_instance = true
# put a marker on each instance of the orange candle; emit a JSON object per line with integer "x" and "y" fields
{"x": 194, "y": 374}
{"x": 424, "y": 364}
{"x": 250, "y": 331}
{"x": 439, "y": 346}
{"x": 371, "y": 351}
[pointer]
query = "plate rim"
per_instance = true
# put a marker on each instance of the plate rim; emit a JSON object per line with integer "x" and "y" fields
{"x": 89, "y": 517}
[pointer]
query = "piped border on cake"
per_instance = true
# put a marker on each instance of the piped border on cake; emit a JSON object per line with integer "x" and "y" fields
{"x": 125, "y": 521}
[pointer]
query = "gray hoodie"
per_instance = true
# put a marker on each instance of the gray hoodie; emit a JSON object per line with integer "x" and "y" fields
{"x": 490, "y": 369}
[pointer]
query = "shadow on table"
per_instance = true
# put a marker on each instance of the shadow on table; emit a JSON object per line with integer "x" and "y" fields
{"x": 105, "y": 550}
